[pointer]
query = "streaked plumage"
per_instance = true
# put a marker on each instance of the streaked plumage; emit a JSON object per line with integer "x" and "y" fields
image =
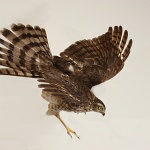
{"x": 66, "y": 81}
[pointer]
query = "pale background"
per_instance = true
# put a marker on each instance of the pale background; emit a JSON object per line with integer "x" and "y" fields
{"x": 126, "y": 126}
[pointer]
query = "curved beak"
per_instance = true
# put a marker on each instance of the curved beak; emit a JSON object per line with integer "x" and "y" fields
{"x": 103, "y": 114}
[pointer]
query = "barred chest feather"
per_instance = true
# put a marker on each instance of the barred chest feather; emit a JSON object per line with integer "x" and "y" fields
{"x": 56, "y": 105}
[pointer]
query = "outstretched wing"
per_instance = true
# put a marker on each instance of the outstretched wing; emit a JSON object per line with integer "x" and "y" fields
{"x": 97, "y": 60}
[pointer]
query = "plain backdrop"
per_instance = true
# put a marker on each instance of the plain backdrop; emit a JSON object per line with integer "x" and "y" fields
{"x": 126, "y": 125}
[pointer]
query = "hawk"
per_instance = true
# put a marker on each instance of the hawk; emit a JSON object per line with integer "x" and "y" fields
{"x": 66, "y": 80}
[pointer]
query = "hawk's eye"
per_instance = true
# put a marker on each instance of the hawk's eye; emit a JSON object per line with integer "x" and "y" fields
{"x": 100, "y": 108}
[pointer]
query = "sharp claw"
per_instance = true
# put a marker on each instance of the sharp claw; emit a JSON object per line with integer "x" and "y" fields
{"x": 69, "y": 134}
{"x": 76, "y": 135}
{"x": 73, "y": 133}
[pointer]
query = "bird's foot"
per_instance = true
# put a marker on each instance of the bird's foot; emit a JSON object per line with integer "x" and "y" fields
{"x": 69, "y": 131}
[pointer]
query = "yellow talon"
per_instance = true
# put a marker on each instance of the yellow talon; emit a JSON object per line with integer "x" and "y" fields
{"x": 67, "y": 128}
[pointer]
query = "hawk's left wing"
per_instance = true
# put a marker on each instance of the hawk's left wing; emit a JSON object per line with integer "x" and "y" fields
{"x": 59, "y": 87}
{"x": 97, "y": 60}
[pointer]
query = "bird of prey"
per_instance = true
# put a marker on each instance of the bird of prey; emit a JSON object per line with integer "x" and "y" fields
{"x": 66, "y": 80}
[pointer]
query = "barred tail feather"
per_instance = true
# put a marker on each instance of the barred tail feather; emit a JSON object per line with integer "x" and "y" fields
{"x": 20, "y": 56}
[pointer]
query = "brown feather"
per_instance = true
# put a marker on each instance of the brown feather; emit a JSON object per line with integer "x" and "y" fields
{"x": 107, "y": 51}
{"x": 26, "y": 44}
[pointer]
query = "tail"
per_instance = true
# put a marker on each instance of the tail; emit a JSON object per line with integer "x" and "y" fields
{"x": 20, "y": 56}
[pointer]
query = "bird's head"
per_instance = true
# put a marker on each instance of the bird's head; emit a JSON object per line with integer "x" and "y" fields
{"x": 98, "y": 106}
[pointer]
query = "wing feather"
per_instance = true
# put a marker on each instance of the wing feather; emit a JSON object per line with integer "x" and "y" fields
{"x": 99, "y": 59}
{"x": 66, "y": 89}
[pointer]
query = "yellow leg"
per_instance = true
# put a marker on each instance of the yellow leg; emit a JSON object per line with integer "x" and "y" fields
{"x": 67, "y": 128}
